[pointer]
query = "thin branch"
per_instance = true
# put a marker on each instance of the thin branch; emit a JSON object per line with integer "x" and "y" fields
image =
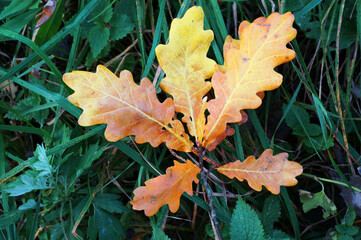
{"x": 212, "y": 213}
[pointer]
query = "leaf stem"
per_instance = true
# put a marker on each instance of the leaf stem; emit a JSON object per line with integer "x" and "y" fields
{"x": 208, "y": 190}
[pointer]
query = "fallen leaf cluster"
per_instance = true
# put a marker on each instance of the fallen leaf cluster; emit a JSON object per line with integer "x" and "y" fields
{"x": 131, "y": 109}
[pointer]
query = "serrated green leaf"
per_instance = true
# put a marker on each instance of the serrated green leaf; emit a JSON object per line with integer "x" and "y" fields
{"x": 121, "y": 24}
{"x": 313, "y": 200}
{"x": 109, "y": 202}
{"x": 24, "y": 105}
{"x": 98, "y": 38}
{"x": 311, "y": 129}
{"x": 42, "y": 165}
{"x": 76, "y": 168}
{"x": 270, "y": 213}
{"x": 279, "y": 235}
{"x": 292, "y": 120}
{"x": 310, "y": 23}
{"x": 27, "y": 182}
{"x": 318, "y": 143}
{"x": 245, "y": 224}
{"x": 90, "y": 59}
{"x": 17, "y": 6}
{"x": 341, "y": 228}
{"x": 58, "y": 230}
{"x": 158, "y": 234}
{"x": 103, "y": 13}
{"x": 108, "y": 226}
{"x": 351, "y": 230}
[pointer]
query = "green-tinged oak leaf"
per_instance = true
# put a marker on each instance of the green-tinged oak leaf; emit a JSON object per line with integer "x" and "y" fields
{"x": 268, "y": 170}
{"x": 126, "y": 108}
{"x": 186, "y": 65}
{"x": 248, "y": 69}
{"x": 166, "y": 189}
{"x": 313, "y": 200}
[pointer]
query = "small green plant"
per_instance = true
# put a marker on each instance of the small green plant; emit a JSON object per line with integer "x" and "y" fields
{"x": 345, "y": 230}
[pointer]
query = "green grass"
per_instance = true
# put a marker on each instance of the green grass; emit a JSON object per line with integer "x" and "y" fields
{"x": 315, "y": 116}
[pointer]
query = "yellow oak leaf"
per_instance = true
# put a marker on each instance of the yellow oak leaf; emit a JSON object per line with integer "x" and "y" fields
{"x": 248, "y": 70}
{"x": 166, "y": 189}
{"x": 126, "y": 108}
{"x": 186, "y": 66}
{"x": 268, "y": 170}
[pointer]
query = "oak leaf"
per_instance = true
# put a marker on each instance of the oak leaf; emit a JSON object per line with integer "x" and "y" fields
{"x": 47, "y": 12}
{"x": 248, "y": 69}
{"x": 166, "y": 189}
{"x": 126, "y": 108}
{"x": 268, "y": 170}
{"x": 186, "y": 66}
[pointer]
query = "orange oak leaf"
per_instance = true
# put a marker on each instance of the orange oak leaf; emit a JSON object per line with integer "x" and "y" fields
{"x": 268, "y": 170}
{"x": 47, "y": 12}
{"x": 126, "y": 108}
{"x": 248, "y": 70}
{"x": 186, "y": 66}
{"x": 166, "y": 189}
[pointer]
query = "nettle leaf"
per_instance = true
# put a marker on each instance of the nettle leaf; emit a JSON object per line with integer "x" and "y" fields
{"x": 120, "y": 24}
{"x": 107, "y": 225}
{"x": 158, "y": 234}
{"x": 127, "y": 108}
{"x": 248, "y": 69}
{"x": 270, "y": 213}
{"x": 298, "y": 119}
{"x": 109, "y": 202}
{"x": 24, "y": 105}
{"x": 186, "y": 66}
{"x": 245, "y": 223}
{"x": 268, "y": 170}
{"x": 313, "y": 200}
{"x": 98, "y": 38}
{"x": 166, "y": 189}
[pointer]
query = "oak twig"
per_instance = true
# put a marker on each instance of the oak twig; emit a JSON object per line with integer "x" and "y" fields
{"x": 208, "y": 190}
